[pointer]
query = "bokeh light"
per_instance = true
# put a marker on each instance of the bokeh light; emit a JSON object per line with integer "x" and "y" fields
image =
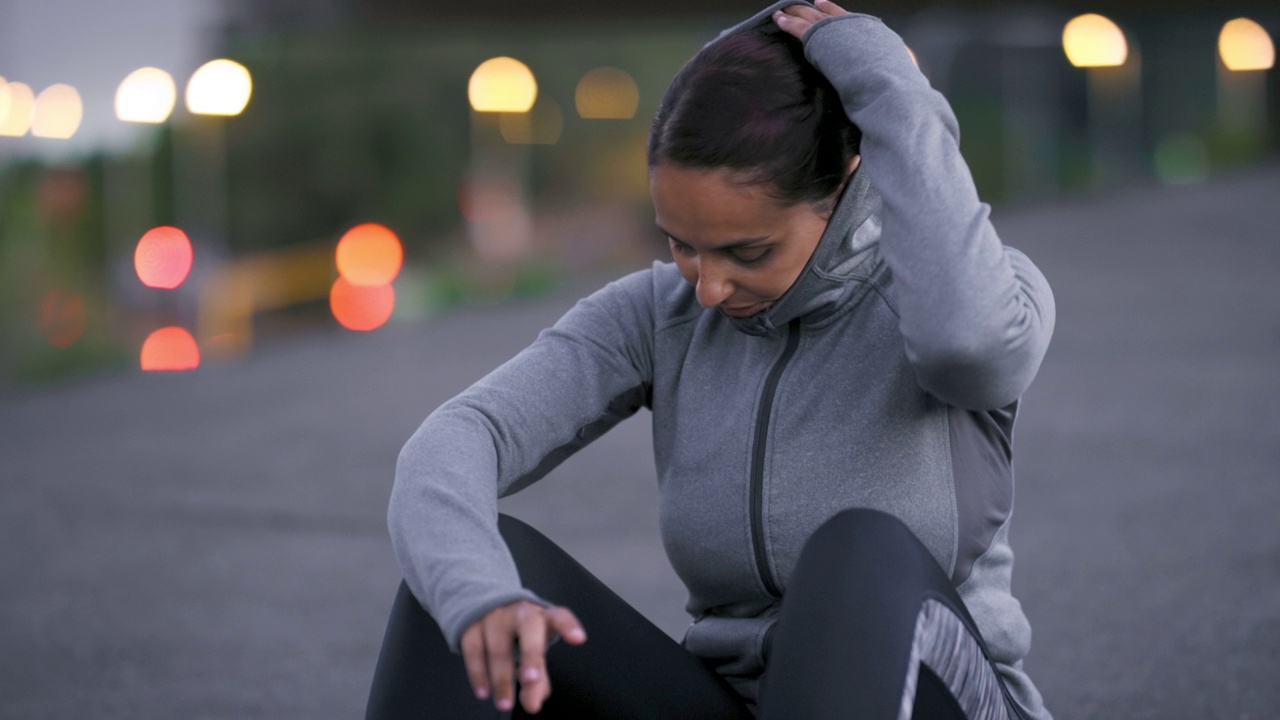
{"x": 502, "y": 84}
{"x": 163, "y": 257}
{"x": 361, "y": 308}
{"x": 1245, "y": 45}
{"x": 147, "y": 95}
{"x": 4, "y": 98}
{"x": 170, "y": 349}
{"x": 542, "y": 125}
{"x": 219, "y": 87}
{"x": 62, "y": 317}
{"x": 22, "y": 104}
{"x": 57, "y": 114}
{"x": 369, "y": 255}
{"x": 1092, "y": 40}
{"x": 607, "y": 93}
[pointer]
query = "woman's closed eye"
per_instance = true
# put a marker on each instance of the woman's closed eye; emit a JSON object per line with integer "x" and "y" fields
{"x": 743, "y": 255}
{"x": 749, "y": 255}
{"x": 680, "y": 248}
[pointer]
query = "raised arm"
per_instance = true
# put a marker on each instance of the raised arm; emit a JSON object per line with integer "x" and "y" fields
{"x": 976, "y": 317}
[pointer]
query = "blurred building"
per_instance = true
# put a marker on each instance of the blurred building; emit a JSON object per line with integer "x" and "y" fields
{"x": 279, "y": 14}
{"x": 361, "y": 113}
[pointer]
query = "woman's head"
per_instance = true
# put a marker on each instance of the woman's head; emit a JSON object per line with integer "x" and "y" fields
{"x": 752, "y": 103}
{"x": 747, "y": 155}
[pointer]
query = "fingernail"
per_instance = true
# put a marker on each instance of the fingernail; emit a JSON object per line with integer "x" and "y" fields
{"x": 529, "y": 674}
{"x": 505, "y": 704}
{"x": 577, "y": 635}
{"x": 482, "y": 693}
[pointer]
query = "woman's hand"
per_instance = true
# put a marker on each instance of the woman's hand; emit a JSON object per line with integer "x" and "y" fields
{"x": 487, "y": 651}
{"x": 797, "y": 19}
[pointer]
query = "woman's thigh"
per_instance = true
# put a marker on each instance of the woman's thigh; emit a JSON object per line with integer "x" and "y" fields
{"x": 628, "y": 668}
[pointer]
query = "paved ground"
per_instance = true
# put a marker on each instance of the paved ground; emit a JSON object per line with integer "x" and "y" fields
{"x": 212, "y": 545}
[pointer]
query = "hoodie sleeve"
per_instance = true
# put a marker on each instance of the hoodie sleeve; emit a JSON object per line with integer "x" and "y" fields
{"x": 578, "y": 379}
{"x": 975, "y": 316}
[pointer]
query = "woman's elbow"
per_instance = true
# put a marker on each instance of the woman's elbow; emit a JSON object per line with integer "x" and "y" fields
{"x": 978, "y": 375}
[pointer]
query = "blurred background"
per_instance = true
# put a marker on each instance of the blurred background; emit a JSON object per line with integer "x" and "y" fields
{"x": 247, "y": 245}
{"x": 478, "y": 155}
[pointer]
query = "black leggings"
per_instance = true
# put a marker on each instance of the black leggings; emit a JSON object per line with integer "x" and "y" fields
{"x": 870, "y": 628}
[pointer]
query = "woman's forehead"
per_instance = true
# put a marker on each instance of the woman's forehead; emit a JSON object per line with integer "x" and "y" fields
{"x": 712, "y": 206}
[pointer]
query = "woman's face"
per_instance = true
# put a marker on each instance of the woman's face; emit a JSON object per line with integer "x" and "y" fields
{"x": 735, "y": 244}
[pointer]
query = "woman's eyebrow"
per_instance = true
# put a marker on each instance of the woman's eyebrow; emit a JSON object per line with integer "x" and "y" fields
{"x": 735, "y": 245}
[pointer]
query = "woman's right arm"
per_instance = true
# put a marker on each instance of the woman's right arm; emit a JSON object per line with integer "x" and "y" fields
{"x": 976, "y": 317}
{"x": 578, "y": 379}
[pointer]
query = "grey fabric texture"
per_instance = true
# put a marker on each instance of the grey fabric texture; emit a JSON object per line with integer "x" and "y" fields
{"x": 909, "y": 311}
{"x": 943, "y": 643}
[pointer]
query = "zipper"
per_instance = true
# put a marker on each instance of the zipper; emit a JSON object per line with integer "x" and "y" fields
{"x": 758, "y": 458}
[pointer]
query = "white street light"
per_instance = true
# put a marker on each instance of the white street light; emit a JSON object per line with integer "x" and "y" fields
{"x": 147, "y": 95}
{"x": 57, "y": 113}
{"x": 4, "y": 99}
{"x": 22, "y": 103}
{"x": 219, "y": 87}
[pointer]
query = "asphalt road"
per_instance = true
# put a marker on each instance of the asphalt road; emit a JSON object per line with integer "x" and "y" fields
{"x": 213, "y": 544}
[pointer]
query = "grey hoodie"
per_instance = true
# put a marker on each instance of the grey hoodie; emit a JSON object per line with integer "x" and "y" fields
{"x": 888, "y": 376}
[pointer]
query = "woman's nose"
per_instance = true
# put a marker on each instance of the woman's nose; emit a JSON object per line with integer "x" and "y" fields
{"x": 713, "y": 286}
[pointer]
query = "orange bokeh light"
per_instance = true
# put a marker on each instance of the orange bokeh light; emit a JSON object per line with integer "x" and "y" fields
{"x": 358, "y": 307}
{"x": 163, "y": 258}
{"x": 170, "y": 348}
{"x": 62, "y": 317}
{"x": 369, "y": 255}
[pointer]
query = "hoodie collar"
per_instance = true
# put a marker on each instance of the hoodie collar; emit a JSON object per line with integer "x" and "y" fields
{"x": 764, "y": 18}
{"x": 851, "y": 235}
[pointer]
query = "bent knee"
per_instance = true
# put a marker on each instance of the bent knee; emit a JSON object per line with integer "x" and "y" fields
{"x": 868, "y": 538}
{"x": 858, "y": 523}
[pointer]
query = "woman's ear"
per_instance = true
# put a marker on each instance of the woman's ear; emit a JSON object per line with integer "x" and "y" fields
{"x": 828, "y": 206}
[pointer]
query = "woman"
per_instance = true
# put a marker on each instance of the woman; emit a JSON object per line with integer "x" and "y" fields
{"x": 833, "y": 362}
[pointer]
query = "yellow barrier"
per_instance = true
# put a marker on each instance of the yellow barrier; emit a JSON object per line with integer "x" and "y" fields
{"x": 266, "y": 281}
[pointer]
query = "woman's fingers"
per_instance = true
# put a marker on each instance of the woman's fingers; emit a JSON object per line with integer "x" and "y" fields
{"x": 487, "y": 652}
{"x": 804, "y": 12}
{"x": 535, "y": 686}
{"x": 473, "y": 657}
{"x": 566, "y": 625}
{"x": 796, "y": 20}
{"x": 498, "y": 636}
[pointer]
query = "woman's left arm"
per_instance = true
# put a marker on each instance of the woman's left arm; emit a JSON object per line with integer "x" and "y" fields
{"x": 976, "y": 317}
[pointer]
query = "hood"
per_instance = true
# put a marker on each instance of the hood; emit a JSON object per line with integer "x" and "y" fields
{"x": 851, "y": 235}
{"x": 848, "y": 243}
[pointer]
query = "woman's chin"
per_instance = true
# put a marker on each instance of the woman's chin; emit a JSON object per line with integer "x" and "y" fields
{"x": 744, "y": 311}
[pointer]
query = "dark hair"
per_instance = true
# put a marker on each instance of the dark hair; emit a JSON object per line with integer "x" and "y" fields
{"x": 751, "y": 102}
